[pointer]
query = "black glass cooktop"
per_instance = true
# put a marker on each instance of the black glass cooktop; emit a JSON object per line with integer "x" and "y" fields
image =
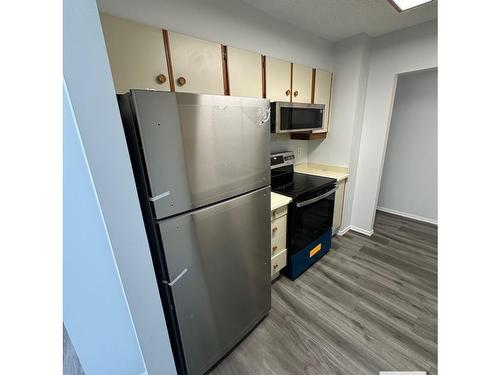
{"x": 295, "y": 184}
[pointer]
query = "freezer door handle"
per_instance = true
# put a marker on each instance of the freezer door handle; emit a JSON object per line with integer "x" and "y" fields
{"x": 171, "y": 283}
{"x": 268, "y": 114}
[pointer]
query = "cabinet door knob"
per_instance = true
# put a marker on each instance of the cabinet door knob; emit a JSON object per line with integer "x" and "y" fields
{"x": 275, "y": 229}
{"x": 275, "y": 266}
{"x": 295, "y": 93}
{"x": 161, "y": 78}
{"x": 287, "y": 92}
{"x": 181, "y": 81}
{"x": 275, "y": 247}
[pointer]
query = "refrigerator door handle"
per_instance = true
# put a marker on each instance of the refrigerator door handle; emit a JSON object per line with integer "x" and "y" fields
{"x": 171, "y": 283}
{"x": 268, "y": 114}
{"x": 159, "y": 196}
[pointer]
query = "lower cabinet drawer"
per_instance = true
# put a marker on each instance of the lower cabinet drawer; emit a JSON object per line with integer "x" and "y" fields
{"x": 278, "y": 262}
{"x": 278, "y": 227}
{"x": 278, "y": 244}
{"x": 278, "y": 212}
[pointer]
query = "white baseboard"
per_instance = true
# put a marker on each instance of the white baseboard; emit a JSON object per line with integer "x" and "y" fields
{"x": 341, "y": 232}
{"x": 409, "y": 216}
{"x": 361, "y": 230}
{"x": 356, "y": 229}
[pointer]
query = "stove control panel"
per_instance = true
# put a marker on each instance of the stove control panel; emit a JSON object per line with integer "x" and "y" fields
{"x": 282, "y": 159}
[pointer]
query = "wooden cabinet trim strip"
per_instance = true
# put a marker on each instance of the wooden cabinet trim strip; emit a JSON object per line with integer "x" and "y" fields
{"x": 330, "y": 101}
{"x": 313, "y": 85}
{"x": 225, "y": 71}
{"x": 263, "y": 64}
{"x": 166, "y": 44}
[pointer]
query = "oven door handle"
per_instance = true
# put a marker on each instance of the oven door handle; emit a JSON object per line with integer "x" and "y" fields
{"x": 315, "y": 199}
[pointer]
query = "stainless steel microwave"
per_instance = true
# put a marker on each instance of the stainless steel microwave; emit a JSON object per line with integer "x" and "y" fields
{"x": 289, "y": 117}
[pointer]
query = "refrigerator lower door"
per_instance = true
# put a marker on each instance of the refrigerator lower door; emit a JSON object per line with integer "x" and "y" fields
{"x": 218, "y": 260}
{"x": 200, "y": 149}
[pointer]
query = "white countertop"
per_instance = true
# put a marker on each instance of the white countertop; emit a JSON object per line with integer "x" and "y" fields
{"x": 340, "y": 173}
{"x": 278, "y": 200}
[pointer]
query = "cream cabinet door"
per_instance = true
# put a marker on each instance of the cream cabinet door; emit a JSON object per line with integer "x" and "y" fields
{"x": 196, "y": 64}
{"x": 322, "y": 95}
{"x": 278, "y": 73}
{"x": 136, "y": 54}
{"x": 301, "y": 83}
{"x": 244, "y": 70}
{"x": 338, "y": 206}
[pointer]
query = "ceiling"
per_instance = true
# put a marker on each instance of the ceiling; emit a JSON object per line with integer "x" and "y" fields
{"x": 332, "y": 20}
{"x": 339, "y": 19}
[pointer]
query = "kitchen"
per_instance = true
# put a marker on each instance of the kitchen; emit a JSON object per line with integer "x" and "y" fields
{"x": 214, "y": 260}
{"x": 197, "y": 72}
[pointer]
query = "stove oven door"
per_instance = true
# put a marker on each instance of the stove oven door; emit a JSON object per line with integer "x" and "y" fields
{"x": 310, "y": 217}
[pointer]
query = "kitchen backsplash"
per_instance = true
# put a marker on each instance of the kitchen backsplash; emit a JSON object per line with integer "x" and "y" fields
{"x": 282, "y": 142}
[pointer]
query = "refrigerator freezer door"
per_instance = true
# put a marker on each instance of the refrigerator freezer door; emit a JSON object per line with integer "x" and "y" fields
{"x": 200, "y": 149}
{"x": 226, "y": 289}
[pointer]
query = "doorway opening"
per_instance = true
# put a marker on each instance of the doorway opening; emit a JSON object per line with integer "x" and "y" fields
{"x": 409, "y": 180}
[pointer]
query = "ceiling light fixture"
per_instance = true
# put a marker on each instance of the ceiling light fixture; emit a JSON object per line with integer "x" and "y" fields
{"x": 402, "y": 5}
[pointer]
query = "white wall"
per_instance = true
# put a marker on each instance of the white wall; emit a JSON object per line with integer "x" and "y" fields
{"x": 96, "y": 312}
{"x": 407, "y": 50}
{"x": 409, "y": 180}
{"x": 236, "y": 24}
{"x": 350, "y": 60}
{"x": 95, "y": 111}
{"x": 341, "y": 146}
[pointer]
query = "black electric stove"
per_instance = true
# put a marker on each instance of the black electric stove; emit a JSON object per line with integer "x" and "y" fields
{"x": 310, "y": 214}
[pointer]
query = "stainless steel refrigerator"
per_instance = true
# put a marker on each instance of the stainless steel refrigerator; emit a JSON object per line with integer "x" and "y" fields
{"x": 202, "y": 169}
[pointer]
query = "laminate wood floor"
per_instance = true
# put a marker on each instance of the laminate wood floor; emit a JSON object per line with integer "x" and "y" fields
{"x": 71, "y": 363}
{"x": 369, "y": 305}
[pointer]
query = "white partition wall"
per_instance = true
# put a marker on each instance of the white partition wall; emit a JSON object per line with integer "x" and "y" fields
{"x": 403, "y": 51}
{"x": 96, "y": 312}
{"x": 351, "y": 62}
{"x": 115, "y": 279}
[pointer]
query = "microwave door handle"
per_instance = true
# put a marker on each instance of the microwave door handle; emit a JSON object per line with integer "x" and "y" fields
{"x": 315, "y": 199}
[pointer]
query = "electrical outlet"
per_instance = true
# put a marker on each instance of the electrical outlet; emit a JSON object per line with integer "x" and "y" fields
{"x": 299, "y": 152}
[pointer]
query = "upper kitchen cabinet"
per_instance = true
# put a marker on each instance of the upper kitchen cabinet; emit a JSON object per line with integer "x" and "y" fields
{"x": 301, "y": 83}
{"x": 322, "y": 95}
{"x": 278, "y": 74}
{"x": 244, "y": 70}
{"x": 196, "y": 64}
{"x": 322, "y": 83}
{"x": 136, "y": 54}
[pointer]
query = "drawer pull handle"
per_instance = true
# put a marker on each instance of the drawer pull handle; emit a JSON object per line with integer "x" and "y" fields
{"x": 275, "y": 247}
{"x": 274, "y": 213}
{"x": 275, "y": 266}
{"x": 275, "y": 229}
